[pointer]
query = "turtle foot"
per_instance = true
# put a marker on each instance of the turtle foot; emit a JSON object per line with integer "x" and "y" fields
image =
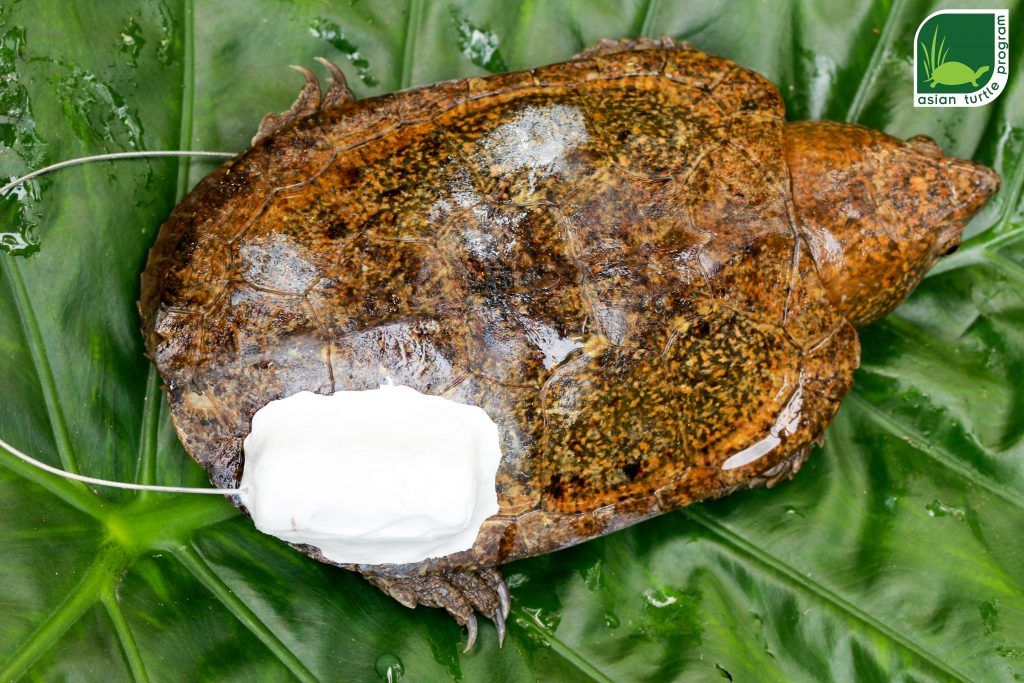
{"x": 462, "y": 594}
{"x": 786, "y": 469}
{"x": 339, "y": 92}
{"x": 310, "y": 99}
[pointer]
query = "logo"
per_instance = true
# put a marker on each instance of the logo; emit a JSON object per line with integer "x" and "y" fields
{"x": 961, "y": 57}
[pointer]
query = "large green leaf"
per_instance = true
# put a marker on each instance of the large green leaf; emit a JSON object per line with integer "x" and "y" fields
{"x": 895, "y": 554}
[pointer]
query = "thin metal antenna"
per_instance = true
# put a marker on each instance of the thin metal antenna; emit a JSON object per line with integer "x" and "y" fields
{"x": 108, "y": 157}
{"x": 113, "y": 484}
{"x": 79, "y": 477}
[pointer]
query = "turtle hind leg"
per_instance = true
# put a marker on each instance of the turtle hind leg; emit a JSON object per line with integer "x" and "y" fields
{"x": 460, "y": 593}
{"x": 609, "y": 47}
{"x": 781, "y": 472}
{"x": 310, "y": 99}
{"x": 308, "y": 102}
{"x": 785, "y": 470}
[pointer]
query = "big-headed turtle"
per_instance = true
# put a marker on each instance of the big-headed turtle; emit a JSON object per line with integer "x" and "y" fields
{"x": 646, "y": 276}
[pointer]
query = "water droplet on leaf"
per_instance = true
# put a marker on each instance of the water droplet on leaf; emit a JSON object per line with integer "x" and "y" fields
{"x": 21, "y": 150}
{"x": 478, "y": 45}
{"x": 131, "y": 40}
{"x": 516, "y": 580}
{"x": 163, "y": 46}
{"x": 18, "y": 220}
{"x": 95, "y": 110}
{"x": 332, "y": 33}
{"x": 389, "y": 667}
{"x": 990, "y": 615}
{"x": 939, "y": 509}
{"x": 658, "y": 598}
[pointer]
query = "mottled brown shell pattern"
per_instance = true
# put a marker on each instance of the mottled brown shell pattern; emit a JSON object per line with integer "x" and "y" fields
{"x": 601, "y": 254}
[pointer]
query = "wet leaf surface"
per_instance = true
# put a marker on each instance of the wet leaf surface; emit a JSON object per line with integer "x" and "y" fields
{"x": 894, "y": 555}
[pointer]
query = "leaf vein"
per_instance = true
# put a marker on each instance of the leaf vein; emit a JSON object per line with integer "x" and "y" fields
{"x": 412, "y": 28}
{"x": 741, "y": 545}
{"x": 83, "y": 596}
{"x": 40, "y": 360}
{"x": 871, "y": 71}
{"x": 528, "y": 620}
{"x": 124, "y": 634}
{"x": 75, "y": 494}
{"x": 647, "y": 18}
{"x": 194, "y": 563}
{"x": 937, "y": 454}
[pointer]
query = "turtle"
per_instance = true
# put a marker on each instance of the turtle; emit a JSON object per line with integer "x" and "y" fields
{"x": 646, "y": 276}
{"x": 956, "y": 73}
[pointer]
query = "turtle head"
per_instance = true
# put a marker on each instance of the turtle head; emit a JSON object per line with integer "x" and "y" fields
{"x": 877, "y": 212}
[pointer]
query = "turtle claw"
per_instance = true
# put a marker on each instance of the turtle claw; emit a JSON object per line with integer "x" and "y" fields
{"x": 308, "y": 102}
{"x": 471, "y": 629}
{"x": 497, "y": 583}
{"x": 505, "y": 598}
{"x": 462, "y": 594}
{"x": 339, "y": 92}
{"x": 783, "y": 471}
{"x": 499, "y": 625}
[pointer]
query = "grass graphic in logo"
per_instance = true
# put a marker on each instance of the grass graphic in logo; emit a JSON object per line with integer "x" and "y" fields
{"x": 939, "y": 71}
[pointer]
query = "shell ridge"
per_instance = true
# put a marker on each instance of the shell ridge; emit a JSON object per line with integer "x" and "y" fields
{"x": 272, "y": 194}
{"x": 802, "y": 241}
{"x": 328, "y": 342}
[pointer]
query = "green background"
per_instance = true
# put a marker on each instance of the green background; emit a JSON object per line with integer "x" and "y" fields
{"x": 895, "y": 554}
{"x": 970, "y": 39}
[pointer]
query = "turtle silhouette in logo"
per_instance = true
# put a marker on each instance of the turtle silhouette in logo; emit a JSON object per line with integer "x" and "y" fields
{"x": 938, "y": 71}
{"x": 955, "y": 73}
